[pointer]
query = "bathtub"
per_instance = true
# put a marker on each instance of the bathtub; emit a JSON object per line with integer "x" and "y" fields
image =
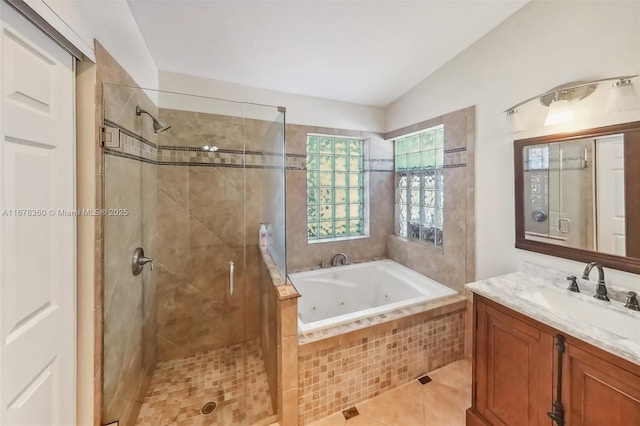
{"x": 342, "y": 294}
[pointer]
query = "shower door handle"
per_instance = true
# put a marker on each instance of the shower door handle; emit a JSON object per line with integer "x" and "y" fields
{"x": 230, "y": 278}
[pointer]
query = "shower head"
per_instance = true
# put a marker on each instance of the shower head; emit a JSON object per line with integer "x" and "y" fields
{"x": 158, "y": 125}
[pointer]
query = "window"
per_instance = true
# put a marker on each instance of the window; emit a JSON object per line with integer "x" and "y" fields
{"x": 537, "y": 158}
{"x": 419, "y": 181}
{"x": 335, "y": 188}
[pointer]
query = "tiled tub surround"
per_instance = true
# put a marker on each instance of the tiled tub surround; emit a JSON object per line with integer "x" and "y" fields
{"x": 504, "y": 289}
{"x": 454, "y": 263}
{"x": 347, "y": 364}
{"x": 279, "y": 311}
{"x": 378, "y": 169}
{"x": 343, "y": 294}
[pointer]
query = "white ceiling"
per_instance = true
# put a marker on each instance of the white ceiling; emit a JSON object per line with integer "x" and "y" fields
{"x": 365, "y": 52}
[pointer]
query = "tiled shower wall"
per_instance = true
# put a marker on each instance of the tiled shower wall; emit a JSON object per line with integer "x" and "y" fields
{"x": 128, "y": 303}
{"x": 205, "y": 220}
{"x": 453, "y": 264}
{"x": 379, "y": 168}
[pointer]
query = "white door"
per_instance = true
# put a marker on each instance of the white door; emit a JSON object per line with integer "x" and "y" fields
{"x": 610, "y": 193}
{"x": 37, "y": 245}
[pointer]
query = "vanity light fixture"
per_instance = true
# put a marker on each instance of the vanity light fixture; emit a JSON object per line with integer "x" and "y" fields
{"x": 622, "y": 97}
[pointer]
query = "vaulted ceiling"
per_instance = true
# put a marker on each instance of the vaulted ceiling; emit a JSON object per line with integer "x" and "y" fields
{"x": 365, "y": 52}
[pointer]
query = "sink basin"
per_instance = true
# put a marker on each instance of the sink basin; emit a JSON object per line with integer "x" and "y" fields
{"x": 582, "y": 308}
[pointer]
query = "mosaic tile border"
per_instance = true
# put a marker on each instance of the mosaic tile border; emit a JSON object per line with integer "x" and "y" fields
{"x": 135, "y": 147}
{"x": 116, "y": 153}
{"x": 455, "y": 157}
{"x": 224, "y": 150}
{"x": 451, "y": 150}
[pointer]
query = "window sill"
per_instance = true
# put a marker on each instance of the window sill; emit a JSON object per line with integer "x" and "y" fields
{"x": 337, "y": 239}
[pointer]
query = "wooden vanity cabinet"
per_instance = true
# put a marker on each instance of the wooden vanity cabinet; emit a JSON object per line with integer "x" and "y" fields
{"x": 512, "y": 367}
{"x": 515, "y": 376}
{"x": 596, "y": 392}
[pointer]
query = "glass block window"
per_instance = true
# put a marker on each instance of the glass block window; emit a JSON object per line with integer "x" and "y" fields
{"x": 335, "y": 187}
{"x": 419, "y": 182}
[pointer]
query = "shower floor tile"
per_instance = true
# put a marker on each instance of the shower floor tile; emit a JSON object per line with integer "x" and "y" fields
{"x": 180, "y": 387}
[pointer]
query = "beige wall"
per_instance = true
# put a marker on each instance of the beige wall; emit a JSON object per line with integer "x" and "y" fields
{"x": 378, "y": 162}
{"x": 453, "y": 264}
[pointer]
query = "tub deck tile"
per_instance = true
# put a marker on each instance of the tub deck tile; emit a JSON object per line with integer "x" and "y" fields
{"x": 423, "y": 310}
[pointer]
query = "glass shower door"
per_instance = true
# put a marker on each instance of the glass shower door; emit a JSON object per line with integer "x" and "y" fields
{"x": 128, "y": 223}
{"x": 197, "y": 176}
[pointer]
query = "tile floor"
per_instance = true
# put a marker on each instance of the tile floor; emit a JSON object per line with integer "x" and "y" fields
{"x": 441, "y": 402}
{"x": 180, "y": 387}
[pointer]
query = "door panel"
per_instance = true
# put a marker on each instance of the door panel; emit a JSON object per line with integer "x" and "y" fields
{"x": 610, "y": 206}
{"x": 598, "y": 392}
{"x": 514, "y": 370}
{"x": 37, "y": 313}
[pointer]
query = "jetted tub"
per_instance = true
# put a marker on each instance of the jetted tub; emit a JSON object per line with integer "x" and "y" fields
{"x": 342, "y": 294}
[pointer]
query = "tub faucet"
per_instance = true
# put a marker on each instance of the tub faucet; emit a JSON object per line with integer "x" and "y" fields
{"x": 339, "y": 259}
{"x": 601, "y": 290}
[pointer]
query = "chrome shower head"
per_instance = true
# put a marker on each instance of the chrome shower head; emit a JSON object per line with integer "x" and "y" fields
{"x": 158, "y": 125}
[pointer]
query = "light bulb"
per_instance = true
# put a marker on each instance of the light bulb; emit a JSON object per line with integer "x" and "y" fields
{"x": 559, "y": 113}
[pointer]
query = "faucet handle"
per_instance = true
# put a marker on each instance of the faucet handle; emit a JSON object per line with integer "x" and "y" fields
{"x": 573, "y": 285}
{"x": 632, "y": 301}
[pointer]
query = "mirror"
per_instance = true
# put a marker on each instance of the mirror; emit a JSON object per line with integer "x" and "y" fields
{"x": 578, "y": 195}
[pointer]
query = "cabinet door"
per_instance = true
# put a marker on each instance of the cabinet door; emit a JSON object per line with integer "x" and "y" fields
{"x": 514, "y": 370}
{"x": 599, "y": 393}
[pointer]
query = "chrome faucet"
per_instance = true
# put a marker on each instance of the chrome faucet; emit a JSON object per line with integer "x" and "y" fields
{"x": 339, "y": 259}
{"x": 601, "y": 289}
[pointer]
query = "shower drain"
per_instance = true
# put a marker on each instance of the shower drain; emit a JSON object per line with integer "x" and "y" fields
{"x": 208, "y": 408}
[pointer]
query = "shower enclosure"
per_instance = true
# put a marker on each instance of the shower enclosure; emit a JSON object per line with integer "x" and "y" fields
{"x": 189, "y": 180}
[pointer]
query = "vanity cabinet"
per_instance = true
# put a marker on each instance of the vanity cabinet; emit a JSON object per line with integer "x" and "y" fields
{"x": 515, "y": 375}
{"x": 598, "y": 392}
{"x": 513, "y": 369}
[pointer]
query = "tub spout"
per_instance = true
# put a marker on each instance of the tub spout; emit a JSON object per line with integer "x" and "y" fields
{"x": 339, "y": 259}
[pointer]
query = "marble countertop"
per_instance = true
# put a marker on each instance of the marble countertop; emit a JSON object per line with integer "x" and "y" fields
{"x": 504, "y": 290}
